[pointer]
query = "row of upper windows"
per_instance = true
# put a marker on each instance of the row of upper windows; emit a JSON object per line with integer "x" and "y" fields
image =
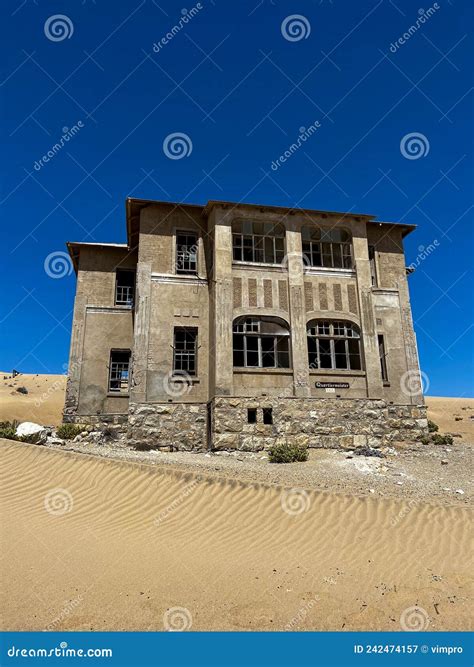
{"x": 257, "y": 243}
{"x": 263, "y": 242}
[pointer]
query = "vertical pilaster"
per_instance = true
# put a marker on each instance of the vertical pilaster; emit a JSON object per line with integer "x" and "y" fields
{"x": 367, "y": 316}
{"x": 294, "y": 254}
{"x": 141, "y": 333}
{"x": 221, "y": 307}
{"x": 75, "y": 351}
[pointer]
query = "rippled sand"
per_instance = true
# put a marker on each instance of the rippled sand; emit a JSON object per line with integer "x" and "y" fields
{"x": 106, "y": 545}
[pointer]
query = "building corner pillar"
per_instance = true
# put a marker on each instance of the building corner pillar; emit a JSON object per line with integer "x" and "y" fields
{"x": 370, "y": 346}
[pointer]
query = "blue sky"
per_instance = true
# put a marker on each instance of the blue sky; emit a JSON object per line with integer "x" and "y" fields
{"x": 241, "y": 86}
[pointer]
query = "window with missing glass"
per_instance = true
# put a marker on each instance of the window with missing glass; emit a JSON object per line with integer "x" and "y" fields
{"x": 262, "y": 242}
{"x": 334, "y": 345}
{"x": 124, "y": 287}
{"x": 119, "y": 371}
{"x": 186, "y": 252}
{"x": 329, "y": 248}
{"x": 185, "y": 350}
{"x": 261, "y": 343}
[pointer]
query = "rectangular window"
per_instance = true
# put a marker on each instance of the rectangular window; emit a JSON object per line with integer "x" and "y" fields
{"x": 119, "y": 370}
{"x": 267, "y": 415}
{"x": 124, "y": 287}
{"x": 383, "y": 358}
{"x": 252, "y": 415}
{"x": 185, "y": 350}
{"x": 186, "y": 252}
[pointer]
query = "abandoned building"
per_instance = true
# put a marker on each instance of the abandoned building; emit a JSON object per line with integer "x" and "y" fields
{"x": 237, "y": 326}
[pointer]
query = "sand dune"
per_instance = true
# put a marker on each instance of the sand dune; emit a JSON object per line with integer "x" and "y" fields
{"x": 453, "y": 415}
{"x": 105, "y": 545}
{"x": 43, "y": 403}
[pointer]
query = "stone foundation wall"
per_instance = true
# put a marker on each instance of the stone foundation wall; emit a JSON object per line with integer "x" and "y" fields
{"x": 97, "y": 420}
{"x": 345, "y": 423}
{"x": 172, "y": 426}
{"x": 312, "y": 422}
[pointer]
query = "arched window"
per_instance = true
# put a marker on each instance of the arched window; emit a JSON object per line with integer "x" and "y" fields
{"x": 261, "y": 343}
{"x": 258, "y": 242}
{"x": 326, "y": 247}
{"x": 334, "y": 345}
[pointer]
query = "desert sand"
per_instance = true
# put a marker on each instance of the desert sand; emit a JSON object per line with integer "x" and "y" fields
{"x": 43, "y": 403}
{"x": 91, "y": 543}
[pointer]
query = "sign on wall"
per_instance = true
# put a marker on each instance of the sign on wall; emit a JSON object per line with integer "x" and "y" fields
{"x": 332, "y": 385}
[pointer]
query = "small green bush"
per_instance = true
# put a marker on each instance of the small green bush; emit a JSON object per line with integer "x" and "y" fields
{"x": 8, "y": 430}
{"x": 287, "y": 453}
{"x": 432, "y": 427}
{"x": 69, "y": 431}
{"x": 438, "y": 439}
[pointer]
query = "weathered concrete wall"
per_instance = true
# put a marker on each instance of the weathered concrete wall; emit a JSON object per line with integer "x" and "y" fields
{"x": 311, "y": 422}
{"x": 98, "y": 327}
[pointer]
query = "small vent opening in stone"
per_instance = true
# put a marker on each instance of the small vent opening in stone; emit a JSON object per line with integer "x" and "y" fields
{"x": 252, "y": 415}
{"x": 267, "y": 415}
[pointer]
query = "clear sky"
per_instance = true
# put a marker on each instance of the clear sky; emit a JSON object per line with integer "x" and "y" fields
{"x": 241, "y": 80}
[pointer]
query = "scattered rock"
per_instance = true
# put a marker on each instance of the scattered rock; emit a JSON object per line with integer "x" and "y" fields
{"x": 50, "y": 440}
{"x": 22, "y": 390}
{"x": 460, "y": 491}
{"x": 34, "y": 433}
{"x": 444, "y": 462}
{"x": 369, "y": 451}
